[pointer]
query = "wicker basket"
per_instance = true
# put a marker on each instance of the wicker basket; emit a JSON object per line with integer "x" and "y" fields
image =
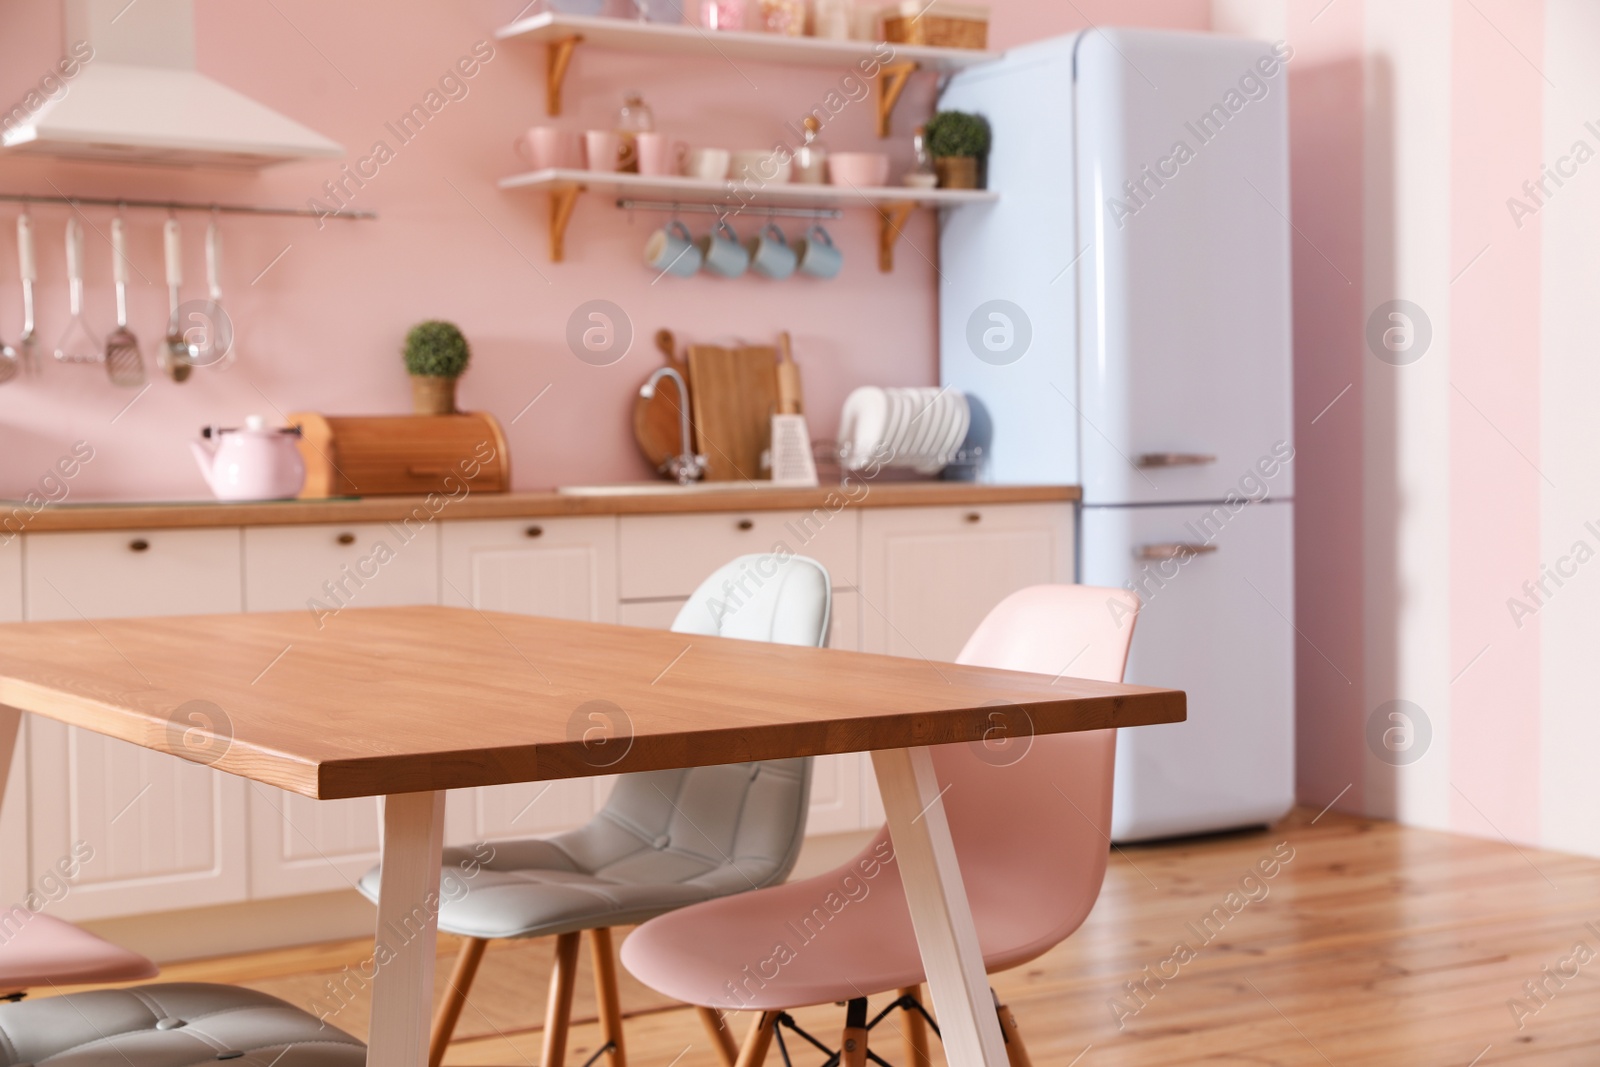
{"x": 941, "y": 25}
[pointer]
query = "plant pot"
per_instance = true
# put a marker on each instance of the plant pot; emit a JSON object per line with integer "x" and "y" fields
{"x": 433, "y": 396}
{"x": 957, "y": 172}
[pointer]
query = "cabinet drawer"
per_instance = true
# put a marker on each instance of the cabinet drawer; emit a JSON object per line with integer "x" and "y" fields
{"x": 102, "y": 575}
{"x": 664, "y": 556}
{"x": 362, "y": 565}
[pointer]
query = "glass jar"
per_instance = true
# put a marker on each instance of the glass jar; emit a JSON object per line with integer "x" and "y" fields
{"x": 787, "y": 17}
{"x": 722, "y": 14}
{"x": 633, "y": 118}
{"x": 832, "y": 19}
{"x": 811, "y": 158}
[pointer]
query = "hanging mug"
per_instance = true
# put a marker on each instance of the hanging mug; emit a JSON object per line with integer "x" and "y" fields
{"x": 671, "y": 250}
{"x": 770, "y": 254}
{"x": 818, "y": 255}
{"x": 722, "y": 252}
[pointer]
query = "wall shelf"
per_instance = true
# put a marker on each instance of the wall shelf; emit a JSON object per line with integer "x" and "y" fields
{"x": 893, "y": 204}
{"x": 561, "y": 34}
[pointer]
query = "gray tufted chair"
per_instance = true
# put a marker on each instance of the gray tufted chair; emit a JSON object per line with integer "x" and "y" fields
{"x": 664, "y": 839}
{"x": 174, "y": 1025}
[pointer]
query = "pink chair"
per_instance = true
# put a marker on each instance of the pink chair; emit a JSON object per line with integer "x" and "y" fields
{"x": 37, "y": 950}
{"x": 1029, "y": 818}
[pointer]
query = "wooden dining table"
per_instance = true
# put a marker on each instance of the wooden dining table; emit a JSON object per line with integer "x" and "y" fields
{"x": 406, "y": 703}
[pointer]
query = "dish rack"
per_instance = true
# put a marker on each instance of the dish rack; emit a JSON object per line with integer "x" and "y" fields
{"x": 962, "y": 465}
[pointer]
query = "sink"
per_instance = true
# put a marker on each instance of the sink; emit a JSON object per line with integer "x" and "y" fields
{"x": 657, "y": 488}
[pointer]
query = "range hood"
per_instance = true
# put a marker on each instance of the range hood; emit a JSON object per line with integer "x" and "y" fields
{"x": 139, "y": 99}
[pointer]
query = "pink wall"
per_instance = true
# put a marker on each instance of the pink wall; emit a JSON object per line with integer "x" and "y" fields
{"x": 320, "y": 329}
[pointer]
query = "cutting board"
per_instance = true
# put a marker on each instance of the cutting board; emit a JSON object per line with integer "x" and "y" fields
{"x": 733, "y": 393}
{"x": 656, "y": 425}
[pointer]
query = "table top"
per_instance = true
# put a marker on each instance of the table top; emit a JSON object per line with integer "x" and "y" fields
{"x": 394, "y": 700}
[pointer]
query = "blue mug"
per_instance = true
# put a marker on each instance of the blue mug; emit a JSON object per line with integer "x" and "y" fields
{"x": 722, "y": 252}
{"x": 818, "y": 256}
{"x": 671, "y": 250}
{"x": 770, "y": 254}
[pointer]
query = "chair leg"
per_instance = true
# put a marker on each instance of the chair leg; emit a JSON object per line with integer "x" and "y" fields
{"x": 558, "y": 1012}
{"x": 756, "y": 1043}
{"x": 455, "y": 998}
{"x": 607, "y": 995}
{"x": 853, "y": 1047}
{"x": 916, "y": 1032}
{"x": 721, "y": 1038}
{"x": 1016, "y": 1051}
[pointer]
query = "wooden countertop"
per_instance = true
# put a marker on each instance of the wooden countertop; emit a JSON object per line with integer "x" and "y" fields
{"x": 141, "y": 516}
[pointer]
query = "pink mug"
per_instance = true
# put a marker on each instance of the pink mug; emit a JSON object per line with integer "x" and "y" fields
{"x": 659, "y": 155}
{"x": 548, "y": 147}
{"x": 603, "y": 150}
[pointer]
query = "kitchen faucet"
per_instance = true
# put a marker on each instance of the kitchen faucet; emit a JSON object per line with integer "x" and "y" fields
{"x": 686, "y": 466}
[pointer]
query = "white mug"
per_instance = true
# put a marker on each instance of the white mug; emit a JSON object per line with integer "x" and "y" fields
{"x": 707, "y": 164}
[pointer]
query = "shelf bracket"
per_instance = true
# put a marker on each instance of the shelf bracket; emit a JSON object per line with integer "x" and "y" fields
{"x": 892, "y": 81}
{"x": 562, "y": 201}
{"x": 560, "y": 57}
{"x": 891, "y": 222}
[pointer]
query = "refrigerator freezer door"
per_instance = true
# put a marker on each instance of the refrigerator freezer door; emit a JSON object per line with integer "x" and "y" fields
{"x": 1214, "y": 624}
{"x": 1183, "y": 199}
{"x": 1008, "y": 330}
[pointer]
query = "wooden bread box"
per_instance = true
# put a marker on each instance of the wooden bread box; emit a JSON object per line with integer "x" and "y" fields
{"x": 402, "y": 455}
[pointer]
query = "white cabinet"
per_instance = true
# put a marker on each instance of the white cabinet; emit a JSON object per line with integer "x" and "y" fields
{"x": 165, "y": 834}
{"x": 10, "y": 578}
{"x": 666, "y": 556}
{"x": 14, "y": 807}
{"x": 324, "y": 568}
{"x": 930, "y": 575}
{"x": 307, "y": 846}
{"x": 564, "y": 568}
{"x": 560, "y": 568}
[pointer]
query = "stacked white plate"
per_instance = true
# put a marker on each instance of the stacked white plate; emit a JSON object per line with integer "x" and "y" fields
{"x": 921, "y": 428}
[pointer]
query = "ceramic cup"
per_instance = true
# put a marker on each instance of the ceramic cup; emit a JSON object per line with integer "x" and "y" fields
{"x": 603, "y": 150}
{"x": 761, "y": 166}
{"x": 707, "y": 164}
{"x": 658, "y": 155}
{"x": 818, "y": 256}
{"x": 770, "y": 254}
{"x": 722, "y": 252}
{"x": 671, "y": 250}
{"x": 547, "y": 147}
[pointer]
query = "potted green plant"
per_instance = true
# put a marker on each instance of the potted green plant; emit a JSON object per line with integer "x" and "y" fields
{"x": 958, "y": 142}
{"x": 436, "y": 355}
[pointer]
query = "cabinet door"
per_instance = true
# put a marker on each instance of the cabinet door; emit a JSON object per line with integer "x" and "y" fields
{"x": 930, "y": 575}
{"x": 309, "y": 846}
{"x": 165, "y": 834}
{"x": 564, "y": 568}
{"x": 324, "y": 568}
{"x": 14, "y": 804}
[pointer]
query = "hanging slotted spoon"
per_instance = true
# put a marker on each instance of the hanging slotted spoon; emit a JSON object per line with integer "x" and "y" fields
{"x": 124, "y": 365}
{"x": 175, "y": 356}
{"x": 77, "y": 345}
{"x": 29, "y": 340}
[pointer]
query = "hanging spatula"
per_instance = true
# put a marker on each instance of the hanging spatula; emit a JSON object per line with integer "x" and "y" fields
{"x": 124, "y": 365}
{"x": 77, "y": 345}
{"x": 29, "y": 341}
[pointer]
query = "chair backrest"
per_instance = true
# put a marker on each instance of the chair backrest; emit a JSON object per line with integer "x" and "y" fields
{"x": 1031, "y": 816}
{"x": 750, "y": 815}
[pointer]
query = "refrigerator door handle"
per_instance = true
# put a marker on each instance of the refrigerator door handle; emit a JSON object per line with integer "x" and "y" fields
{"x": 1178, "y": 550}
{"x": 1146, "y": 460}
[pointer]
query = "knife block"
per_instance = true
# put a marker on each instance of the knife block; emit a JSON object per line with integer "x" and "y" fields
{"x": 402, "y": 455}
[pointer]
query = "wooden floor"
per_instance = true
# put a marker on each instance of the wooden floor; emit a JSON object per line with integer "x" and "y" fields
{"x": 1371, "y": 944}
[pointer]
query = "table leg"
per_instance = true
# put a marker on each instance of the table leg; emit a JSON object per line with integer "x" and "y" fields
{"x": 10, "y": 724}
{"x": 939, "y": 910}
{"x": 408, "y": 928}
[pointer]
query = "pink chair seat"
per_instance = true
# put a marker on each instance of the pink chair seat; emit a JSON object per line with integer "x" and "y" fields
{"x": 1029, "y": 822}
{"x": 37, "y": 950}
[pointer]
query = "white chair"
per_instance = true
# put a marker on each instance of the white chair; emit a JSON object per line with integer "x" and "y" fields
{"x": 664, "y": 839}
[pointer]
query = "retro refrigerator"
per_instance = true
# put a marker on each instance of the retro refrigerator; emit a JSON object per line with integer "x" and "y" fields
{"x": 1122, "y": 317}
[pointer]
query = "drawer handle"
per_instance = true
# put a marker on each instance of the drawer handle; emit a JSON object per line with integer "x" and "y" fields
{"x": 138, "y": 544}
{"x": 1148, "y": 460}
{"x": 534, "y": 531}
{"x": 745, "y": 524}
{"x": 1175, "y": 550}
{"x": 346, "y": 539}
{"x": 974, "y": 516}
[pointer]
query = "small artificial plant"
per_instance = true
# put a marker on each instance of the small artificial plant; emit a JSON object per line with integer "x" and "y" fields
{"x": 436, "y": 349}
{"x": 957, "y": 134}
